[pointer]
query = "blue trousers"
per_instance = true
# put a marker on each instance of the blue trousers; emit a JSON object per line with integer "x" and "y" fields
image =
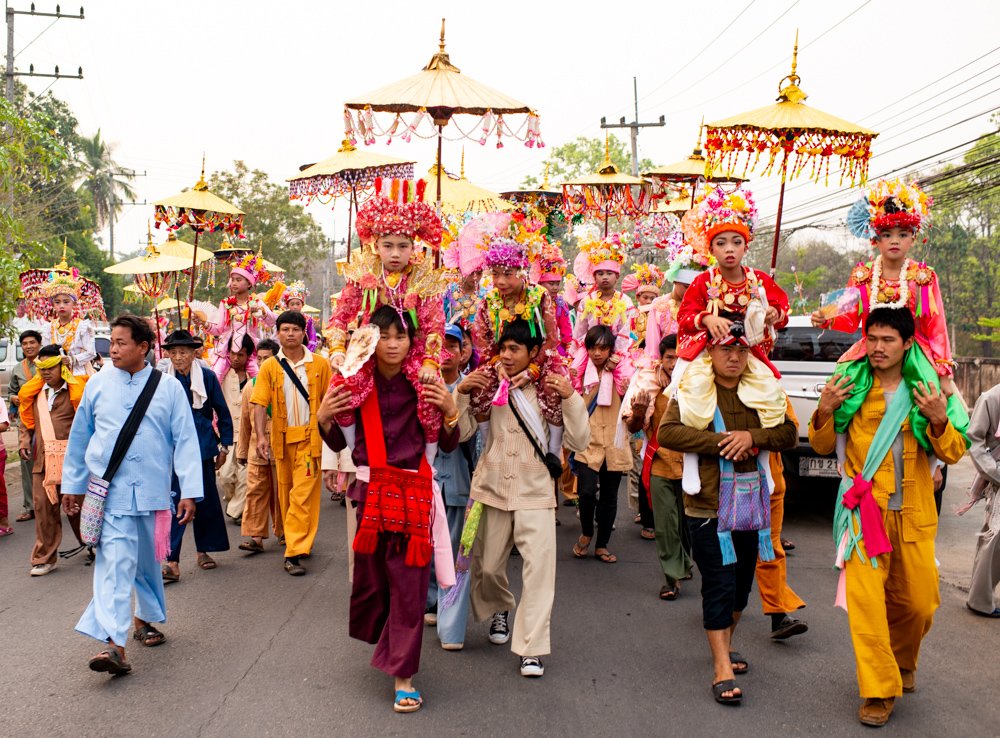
{"x": 452, "y": 621}
{"x": 125, "y": 563}
{"x": 209, "y": 523}
{"x": 456, "y": 519}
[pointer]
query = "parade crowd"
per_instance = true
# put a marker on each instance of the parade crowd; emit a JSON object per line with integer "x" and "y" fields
{"x": 453, "y": 408}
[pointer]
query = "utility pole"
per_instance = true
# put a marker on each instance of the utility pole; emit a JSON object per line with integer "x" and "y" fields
{"x": 10, "y": 73}
{"x": 634, "y": 127}
{"x": 119, "y": 172}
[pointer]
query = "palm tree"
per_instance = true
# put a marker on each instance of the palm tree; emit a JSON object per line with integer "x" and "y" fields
{"x": 106, "y": 181}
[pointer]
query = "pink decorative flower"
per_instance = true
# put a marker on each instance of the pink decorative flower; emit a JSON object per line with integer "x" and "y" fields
{"x": 368, "y": 281}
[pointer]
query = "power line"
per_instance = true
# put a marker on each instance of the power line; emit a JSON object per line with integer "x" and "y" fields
{"x": 695, "y": 57}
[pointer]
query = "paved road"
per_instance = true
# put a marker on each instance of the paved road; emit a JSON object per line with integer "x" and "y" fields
{"x": 254, "y": 652}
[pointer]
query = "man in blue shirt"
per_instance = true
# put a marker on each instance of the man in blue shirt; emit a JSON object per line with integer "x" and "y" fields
{"x": 137, "y": 510}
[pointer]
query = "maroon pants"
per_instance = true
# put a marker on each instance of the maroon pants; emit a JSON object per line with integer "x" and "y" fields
{"x": 387, "y": 605}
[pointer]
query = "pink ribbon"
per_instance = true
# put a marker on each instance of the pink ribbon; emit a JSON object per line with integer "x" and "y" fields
{"x": 860, "y": 497}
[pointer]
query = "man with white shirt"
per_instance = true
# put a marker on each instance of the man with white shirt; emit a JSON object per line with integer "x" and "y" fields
{"x": 137, "y": 510}
{"x": 292, "y": 384}
{"x": 49, "y": 404}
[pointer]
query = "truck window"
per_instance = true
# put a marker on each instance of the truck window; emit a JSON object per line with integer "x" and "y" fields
{"x": 811, "y": 344}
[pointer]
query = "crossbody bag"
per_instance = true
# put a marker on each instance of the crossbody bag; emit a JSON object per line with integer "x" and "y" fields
{"x": 92, "y": 510}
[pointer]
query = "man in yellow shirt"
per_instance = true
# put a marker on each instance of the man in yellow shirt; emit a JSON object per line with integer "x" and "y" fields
{"x": 888, "y": 520}
{"x": 293, "y": 383}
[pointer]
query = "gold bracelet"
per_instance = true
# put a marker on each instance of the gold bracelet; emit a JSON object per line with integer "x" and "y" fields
{"x": 453, "y": 420}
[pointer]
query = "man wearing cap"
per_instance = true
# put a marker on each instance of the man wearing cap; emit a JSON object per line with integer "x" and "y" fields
{"x": 724, "y": 425}
{"x": 209, "y": 408}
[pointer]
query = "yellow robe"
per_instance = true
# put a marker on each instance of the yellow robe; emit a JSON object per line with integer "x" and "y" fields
{"x": 891, "y": 608}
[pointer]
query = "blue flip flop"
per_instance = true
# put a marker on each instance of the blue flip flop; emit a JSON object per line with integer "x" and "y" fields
{"x": 402, "y": 694}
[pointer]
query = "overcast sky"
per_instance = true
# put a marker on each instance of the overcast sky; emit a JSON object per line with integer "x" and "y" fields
{"x": 265, "y": 81}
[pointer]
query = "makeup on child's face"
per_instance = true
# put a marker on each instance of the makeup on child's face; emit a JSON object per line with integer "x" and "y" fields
{"x": 395, "y": 252}
{"x": 238, "y": 284}
{"x": 295, "y": 305}
{"x": 471, "y": 281}
{"x": 605, "y": 279}
{"x": 895, "y": 243}
{"x": 553, "y": 288}
{"x": 63, "y": 305}
{"x": 644, "y": 298}
{"x": 729, "y": 248}
{"x": 506, "y": 281}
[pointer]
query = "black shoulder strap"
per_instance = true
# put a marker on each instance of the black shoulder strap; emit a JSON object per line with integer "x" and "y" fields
{"x": 294, "y": 377}
{"x": 534, "y": 443}
{"x": 131, "y": 427}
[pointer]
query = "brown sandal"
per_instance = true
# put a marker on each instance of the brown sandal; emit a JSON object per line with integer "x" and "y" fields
{"x": 581, "y": 552}
{"x": 206, "y": 562}
{"x": 111, "y": 661}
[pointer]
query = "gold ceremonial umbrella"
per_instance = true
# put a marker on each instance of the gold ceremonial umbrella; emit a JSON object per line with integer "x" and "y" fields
{"x": 606, "y": 192}
{"x": 792, "y": 135}
{"x": 200, "y": 210}
{"x": 309, "y": 309}
{"x": 439, "y": 92}
{"x": 156, "y": 271}
{"x": 229, "y": 253}
{"x": 344, "y": 173}
{"x": 545, "y": 195}
{"x": 460, "y": 196}
{"x": 690, "y": 170}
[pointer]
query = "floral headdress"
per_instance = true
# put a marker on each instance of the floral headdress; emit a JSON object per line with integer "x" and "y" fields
{"x": 889, "y": 204}
{"x": 686, "y": 262}
{"x": 598, "y": 254}
{"x": 251, "y": 267}
{"x": 644, "y": 278}
{"x": 383, "y": 217}
{"x": 467, "y": 252}
{"x": 295, "y": 291}
{"x": 551, "y": 264}
{"x": 717, "y": 211}
{"x": 505, "y": 253}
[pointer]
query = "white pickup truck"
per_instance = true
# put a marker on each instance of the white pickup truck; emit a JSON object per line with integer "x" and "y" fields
{"x": 806, "y": 357}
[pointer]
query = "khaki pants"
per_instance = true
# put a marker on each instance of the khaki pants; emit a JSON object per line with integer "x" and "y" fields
{"x": 233, "y": 486}
{"x": 299, "y": 493}
{"x": 48, "y": 524}
{"x": 261, "y": 500}
{"x": 534, "y": 534}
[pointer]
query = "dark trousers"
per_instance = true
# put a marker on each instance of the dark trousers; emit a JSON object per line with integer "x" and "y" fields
{"x": 725, "y": 589}
{"x": 645, "y": 509}
{"x": 387, "y": 605}
{"x": 209, "y": 524}
{"x": 598, "y": 490}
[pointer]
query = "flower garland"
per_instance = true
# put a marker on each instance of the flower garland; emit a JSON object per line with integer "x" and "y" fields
{"x": 878, "y": 296}
{"x": 605, "y": 312}
{"x": 527, "y": 307}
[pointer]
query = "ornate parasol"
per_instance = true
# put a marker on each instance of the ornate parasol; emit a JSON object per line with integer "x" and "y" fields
{"x": 606, "y": 192}
{"x": 435, "y": 95}
{"x": 36, "y": 303}
{"x": 347, "y": 172}
{"x": 459, "y": 196}
{"x": 792, "y": 135}
{"x": 687, "y": 171}
{"x": 201, "y": 211}
{"x": 154, "y": 273}
{"x": 545, "y": 197}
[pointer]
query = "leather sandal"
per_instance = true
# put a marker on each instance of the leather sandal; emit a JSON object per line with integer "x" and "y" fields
{"x": 111, "y": 661}
{"x": 876, "y": 711}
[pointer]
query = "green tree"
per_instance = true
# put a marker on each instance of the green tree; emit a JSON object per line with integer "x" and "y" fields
{"x": 584, "y": 156}
{"x": 105, "y": 181}
{"x": 963, "y": 243}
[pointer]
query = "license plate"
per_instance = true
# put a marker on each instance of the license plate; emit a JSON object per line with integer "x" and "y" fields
{"x": 815, "y": 467}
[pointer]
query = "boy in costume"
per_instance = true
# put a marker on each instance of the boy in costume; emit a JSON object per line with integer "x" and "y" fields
{"x": 391, "y": 271}
{"x": 892, "y": 423}
{"x": 294, "y": 298}
{"x": 646, "y": 281}
{"x": 599, "y": 264}
{"x": 401, "y": 517}
{"x": 552, "y": 270}
{"x": 241, "y": 314}
{"x": 890, "y": 215}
